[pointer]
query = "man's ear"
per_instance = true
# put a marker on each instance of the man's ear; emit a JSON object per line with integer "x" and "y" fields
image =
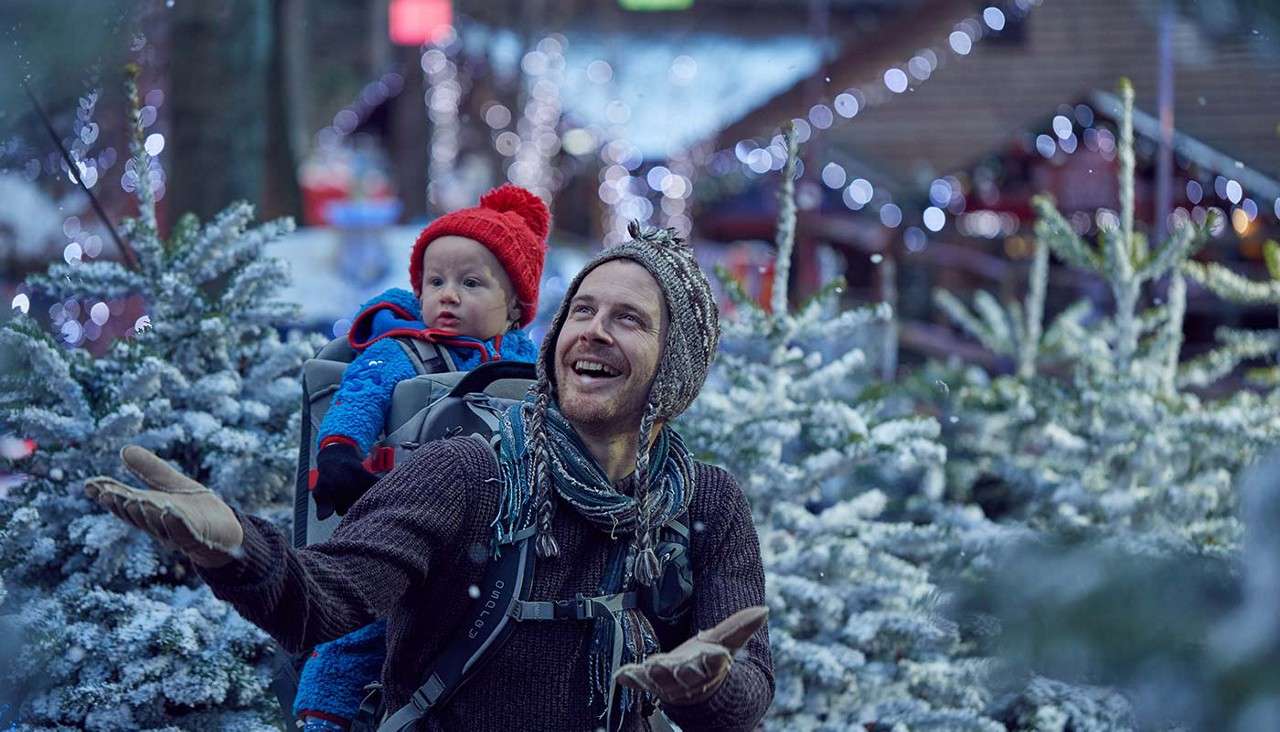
{"x": 515, "y": 313}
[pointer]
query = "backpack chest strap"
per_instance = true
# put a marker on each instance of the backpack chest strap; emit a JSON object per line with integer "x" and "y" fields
{"x": 578, "y": 608}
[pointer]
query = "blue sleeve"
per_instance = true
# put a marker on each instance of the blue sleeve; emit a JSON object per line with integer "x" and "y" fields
{"x": 359, "y": 409}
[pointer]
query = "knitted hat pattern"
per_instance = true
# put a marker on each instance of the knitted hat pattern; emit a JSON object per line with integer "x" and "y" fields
{"x": 693, "y": 335}
{"x": 512, "y": 223}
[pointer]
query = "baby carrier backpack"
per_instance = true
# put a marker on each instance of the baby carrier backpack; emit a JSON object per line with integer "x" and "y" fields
{"x": 439, "y": 402}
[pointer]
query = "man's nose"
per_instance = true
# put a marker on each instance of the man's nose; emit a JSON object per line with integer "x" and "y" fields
{"x": 597, "y": 330}
{"x": 449, "y": 294}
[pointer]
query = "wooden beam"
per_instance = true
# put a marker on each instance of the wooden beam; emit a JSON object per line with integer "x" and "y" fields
{"x": 937, "y": 341}
{"x": 857, "y": 63}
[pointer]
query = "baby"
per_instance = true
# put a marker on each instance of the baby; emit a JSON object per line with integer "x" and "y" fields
{"x": 475, "y": 274}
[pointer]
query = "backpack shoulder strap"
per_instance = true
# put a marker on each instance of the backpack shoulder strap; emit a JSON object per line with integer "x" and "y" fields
{"x": 507, "y": 581}
{"x": 679, "y": 527}
{"x": 426, "y": 357}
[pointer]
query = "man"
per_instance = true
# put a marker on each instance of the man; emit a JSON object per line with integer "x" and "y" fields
{"x": 589, "y": 472}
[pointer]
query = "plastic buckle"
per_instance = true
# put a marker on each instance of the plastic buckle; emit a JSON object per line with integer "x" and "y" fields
{"x": 428, "y": 694}
{"x": 381, "y": 460}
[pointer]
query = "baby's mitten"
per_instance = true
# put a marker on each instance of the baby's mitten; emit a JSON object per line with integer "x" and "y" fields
{"x": 340, "y": 479}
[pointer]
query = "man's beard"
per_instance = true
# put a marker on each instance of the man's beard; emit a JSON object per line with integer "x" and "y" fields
{"x": 606, "y": 417}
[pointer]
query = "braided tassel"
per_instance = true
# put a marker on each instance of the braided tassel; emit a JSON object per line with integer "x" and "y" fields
{"x": 648, "y": 568}
{"x": 540, "y": 472}
{"x": 547, "y": 546}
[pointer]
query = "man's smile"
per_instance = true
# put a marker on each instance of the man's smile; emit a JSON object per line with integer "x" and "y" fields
{"x": 591, "y": 367}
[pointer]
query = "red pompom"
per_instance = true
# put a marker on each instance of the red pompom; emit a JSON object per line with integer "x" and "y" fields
{"x": 526, "y": 204}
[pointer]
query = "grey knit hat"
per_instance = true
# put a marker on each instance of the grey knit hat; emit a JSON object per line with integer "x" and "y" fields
{"x": 693, "y": 329}
{"x": 693, "y": 334}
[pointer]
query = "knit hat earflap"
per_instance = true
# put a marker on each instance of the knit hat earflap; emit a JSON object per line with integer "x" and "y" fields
{"x": 513, "y": 223}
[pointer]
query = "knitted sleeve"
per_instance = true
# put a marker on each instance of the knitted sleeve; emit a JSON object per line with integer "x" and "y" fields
{"x": 384, "y": 546}
{"x": 728, "y": 576}
{"x": 359, "y": 410}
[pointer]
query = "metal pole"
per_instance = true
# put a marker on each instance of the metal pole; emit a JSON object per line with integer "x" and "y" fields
{"x": 1164, "y": 102}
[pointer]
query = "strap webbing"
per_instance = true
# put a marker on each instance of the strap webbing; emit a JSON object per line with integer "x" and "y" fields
{"x": 427, "y": 357}
{"x": 579, "y": 608}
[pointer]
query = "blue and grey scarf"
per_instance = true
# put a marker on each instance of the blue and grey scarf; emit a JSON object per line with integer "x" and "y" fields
{"x": 580, "y": 482}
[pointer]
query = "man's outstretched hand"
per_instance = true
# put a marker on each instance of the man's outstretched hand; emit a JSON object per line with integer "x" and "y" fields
{"x": 692, "y": 671}
{"x": 178, "y": 511}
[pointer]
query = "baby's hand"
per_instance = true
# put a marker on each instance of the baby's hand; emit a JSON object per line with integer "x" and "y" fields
{"x": 340, "y": 479}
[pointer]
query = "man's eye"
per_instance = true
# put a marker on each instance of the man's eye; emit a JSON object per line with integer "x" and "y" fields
{"x": 435, "y": 281}
{"x": 471, "y": 282}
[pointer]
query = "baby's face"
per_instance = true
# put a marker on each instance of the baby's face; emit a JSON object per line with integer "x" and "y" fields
{"x": 465, "y": 290}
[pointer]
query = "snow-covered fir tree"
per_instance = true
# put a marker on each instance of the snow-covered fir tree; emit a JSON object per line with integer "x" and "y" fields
{"x": 1097, "y": 430}
{"x": 776, "y": 404}
{"x": 835, "y": 476}
{"x": 114, "y": 632}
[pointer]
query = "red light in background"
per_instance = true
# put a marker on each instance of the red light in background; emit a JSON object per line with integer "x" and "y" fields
{"x": 14, "y": 448}
{"x": 416, "y": 22}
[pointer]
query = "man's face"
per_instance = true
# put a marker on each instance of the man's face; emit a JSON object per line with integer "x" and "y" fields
{"x": 607, "y": 353}
{"x": 465, "y": 290}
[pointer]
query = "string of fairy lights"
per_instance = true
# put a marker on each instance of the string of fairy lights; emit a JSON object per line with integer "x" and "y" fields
{"x": 77, "y": 320}
{"x": 735, "y": 167}
{"x": 443, "y": 98}
{"x": 537, "y": 128}
{"x": 665, "y": 193}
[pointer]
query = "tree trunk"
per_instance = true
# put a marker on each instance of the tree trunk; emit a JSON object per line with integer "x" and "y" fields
{"x": 410, "y": 135}
{"x": 281, "y": 195}
{"x": 218, "y": 96}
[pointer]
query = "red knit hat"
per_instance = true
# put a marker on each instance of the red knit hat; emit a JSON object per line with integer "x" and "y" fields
{"x": 512, "y": 223}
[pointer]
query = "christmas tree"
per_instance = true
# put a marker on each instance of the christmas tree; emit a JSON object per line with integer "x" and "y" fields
{"x": 1191, "y": 638}
{"x": 777, "y": 405}
{"x": 845, "y": 489}
{"x": 114, "y": 632}
{"x": 1098, "y": 430}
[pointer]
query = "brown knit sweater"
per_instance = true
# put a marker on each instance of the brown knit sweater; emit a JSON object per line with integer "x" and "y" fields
{"x": 414, "y": 545}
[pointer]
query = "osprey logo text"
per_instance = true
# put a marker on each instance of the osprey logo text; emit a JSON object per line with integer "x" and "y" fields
{"x": 490, "y": 604}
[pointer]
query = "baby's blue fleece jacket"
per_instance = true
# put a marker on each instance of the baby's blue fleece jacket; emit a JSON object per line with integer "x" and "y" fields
{"x": 333, "y": 679}
{"x": 360, "y": 408}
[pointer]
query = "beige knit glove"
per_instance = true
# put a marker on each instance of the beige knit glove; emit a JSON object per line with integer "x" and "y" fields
{"x": 692, "y": 671}
{"x": 178, "y": 511}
